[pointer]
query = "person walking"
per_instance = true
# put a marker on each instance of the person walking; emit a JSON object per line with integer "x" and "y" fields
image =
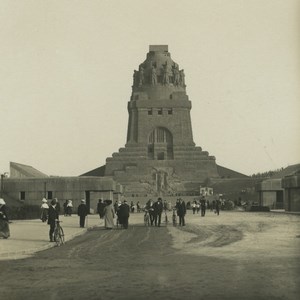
{"x": 150, "y": 209}
{"x": 181, "y": 211}
{"x": 57, "y": 207}
{"x": 158, "y": 208}
{"x": 203, "y": 206}
{"x": 4, "y": 221}
{"x": 197, "y": 207}
{"x": 44, "y": 210}
{"x": 82, "y": 212}
{"x": 109, "y": 214}
{"x": 100, "y": 208}
{"x": 123, "y": 214}
{"x": 217, "y": 206}
{"x": 65, "y": 208}
{"x": 69, "y": 207}
{"x": 132, "y": 207}
{"x": 194, "y": 207}
{"x": 52, "y": 216}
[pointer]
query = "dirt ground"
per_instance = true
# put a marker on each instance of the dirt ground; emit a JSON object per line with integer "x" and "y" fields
{"x": 236, "y": 255}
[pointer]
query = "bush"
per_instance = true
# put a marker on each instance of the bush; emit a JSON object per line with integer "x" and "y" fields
{"x": 24, "y": 212}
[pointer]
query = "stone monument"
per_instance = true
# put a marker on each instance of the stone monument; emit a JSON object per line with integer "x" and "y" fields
{"x": 160, "y": 156}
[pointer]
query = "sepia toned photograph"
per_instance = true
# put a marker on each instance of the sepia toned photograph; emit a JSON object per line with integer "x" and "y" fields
{"x": 150, "y": 150}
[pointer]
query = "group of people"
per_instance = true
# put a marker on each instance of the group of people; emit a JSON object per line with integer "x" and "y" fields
{"x": 105, "y": 209}
{"x": 155, "y": 210}
{"x": 50, "y": 213}
{"x": 204, "y": 204}
{"x": 181, "y": 211}
{"x": 68, "y": 208}
{"x": 199, "y": 205}
{"x": 108, "y": 211}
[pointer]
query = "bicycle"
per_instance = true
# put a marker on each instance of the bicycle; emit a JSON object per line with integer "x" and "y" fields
{"x": 147, "y": 218}
{"x": 59, "y": 236}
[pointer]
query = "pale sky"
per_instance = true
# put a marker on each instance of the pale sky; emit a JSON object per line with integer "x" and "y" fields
{"x": 66, "y": 73}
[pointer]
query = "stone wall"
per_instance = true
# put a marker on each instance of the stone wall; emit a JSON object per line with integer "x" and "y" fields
{"x": 62, "y": 188}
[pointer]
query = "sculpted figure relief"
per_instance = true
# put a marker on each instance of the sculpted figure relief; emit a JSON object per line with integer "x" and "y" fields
{"x": 141, "y": 75}
{"x": 153, "y": 75}
{"x": 166, "y": 74}
{"x": 176, "y": 75}
{"x": 181, "y": 78}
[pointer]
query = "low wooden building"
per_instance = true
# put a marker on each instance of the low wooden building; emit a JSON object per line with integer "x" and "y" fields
{"x": 27, "y": 185}
{"x": 280, "y": 190}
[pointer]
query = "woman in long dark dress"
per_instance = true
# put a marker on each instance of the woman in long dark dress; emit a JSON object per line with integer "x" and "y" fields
{"x": 4, "y": 227}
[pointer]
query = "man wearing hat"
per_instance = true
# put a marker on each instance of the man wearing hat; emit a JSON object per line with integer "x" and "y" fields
{"x": 158, "y": 208}
{"x": 52, "y": 216}
{"x": 181, "y": 211}
{"x": 82, "y": 212}
{"x": 100, "y": 208}
{"x": 123, "y": 214}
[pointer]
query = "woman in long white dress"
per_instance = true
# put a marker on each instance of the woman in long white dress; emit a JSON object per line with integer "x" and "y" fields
{"x": 109, "y": 214}
{"x": 44, "y": 210}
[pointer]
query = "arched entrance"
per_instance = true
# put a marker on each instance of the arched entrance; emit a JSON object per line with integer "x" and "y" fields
{"x": 160, "y": 144}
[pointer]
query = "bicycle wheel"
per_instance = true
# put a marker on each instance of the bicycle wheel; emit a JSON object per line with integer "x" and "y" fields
{"x": 59, "y": 236}
{"x": 62, "y": 235}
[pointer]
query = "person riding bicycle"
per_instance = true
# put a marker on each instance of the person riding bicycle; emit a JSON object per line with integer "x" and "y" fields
{"x": 52, "y": 216}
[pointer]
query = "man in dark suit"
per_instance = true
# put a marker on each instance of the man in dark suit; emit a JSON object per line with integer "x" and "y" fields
{"x": 82, "y": 212}
{"x": 181, "y": 211}
{"x": 123, "y": 214}
{"x": 158, "y": 208}
{"x": 100, "y": 208}
{"x": 203, "y": 206}
{"x": 149, "y": 208}
{"x": 53, "y": 215}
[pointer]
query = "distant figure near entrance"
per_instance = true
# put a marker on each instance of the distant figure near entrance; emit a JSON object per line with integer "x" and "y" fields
{"x": 82, "y": 212}
{"x": 100, "y": 208}
{"x": 124, "y": 214}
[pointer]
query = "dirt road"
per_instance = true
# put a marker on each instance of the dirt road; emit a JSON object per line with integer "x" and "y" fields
{"x": 233, "y": 256}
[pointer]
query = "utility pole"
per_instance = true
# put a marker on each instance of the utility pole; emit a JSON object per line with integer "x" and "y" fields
{"x": 2, "y": 183}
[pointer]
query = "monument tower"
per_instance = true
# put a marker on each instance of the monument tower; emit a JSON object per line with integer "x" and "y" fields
{"x": 160, "y": 156}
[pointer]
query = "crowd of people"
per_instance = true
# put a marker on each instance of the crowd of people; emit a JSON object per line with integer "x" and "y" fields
{"x": 108, "y": 211}
{"x": 203, "y": 204}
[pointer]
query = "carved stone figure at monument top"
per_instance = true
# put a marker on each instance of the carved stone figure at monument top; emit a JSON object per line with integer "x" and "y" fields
{"x": 160, "y": 58}
{"x": 153, "y": 75}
